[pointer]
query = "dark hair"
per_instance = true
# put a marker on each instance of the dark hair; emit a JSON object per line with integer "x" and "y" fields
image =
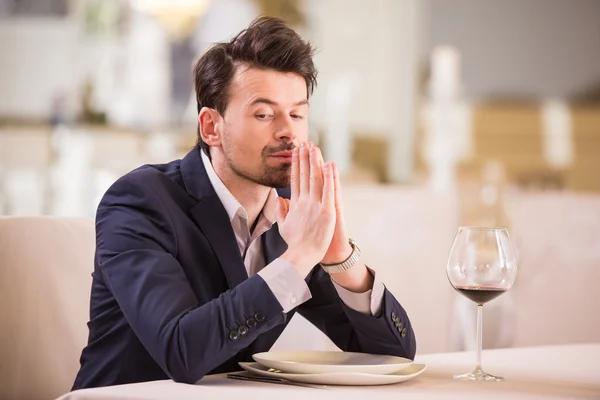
{"x": 267, "y": 44}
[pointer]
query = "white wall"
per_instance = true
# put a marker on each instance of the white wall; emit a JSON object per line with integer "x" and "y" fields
{"x": 527, "y": 48}
{"x": 379, "y": 41}
{"x": 46, "y": 57}
{"x": 38, "y": 61}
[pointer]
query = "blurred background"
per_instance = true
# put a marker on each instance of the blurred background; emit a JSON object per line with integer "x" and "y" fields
{"x": 438, "y": 113}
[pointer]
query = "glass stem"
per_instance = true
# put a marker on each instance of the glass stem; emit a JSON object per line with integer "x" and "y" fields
{"x": 479, "y": 335}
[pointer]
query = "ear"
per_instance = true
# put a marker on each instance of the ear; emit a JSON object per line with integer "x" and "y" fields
{"x": 211, "y": 126}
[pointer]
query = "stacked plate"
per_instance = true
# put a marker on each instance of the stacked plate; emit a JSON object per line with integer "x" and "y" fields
{"x": 334, "y": 367}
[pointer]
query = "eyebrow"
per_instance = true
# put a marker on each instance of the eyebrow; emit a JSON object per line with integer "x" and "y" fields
{"x": 274, "y": 103}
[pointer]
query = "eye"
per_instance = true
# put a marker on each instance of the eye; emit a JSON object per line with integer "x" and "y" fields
{"x": 296, "y": 116}
{"x": 263, "y": 116}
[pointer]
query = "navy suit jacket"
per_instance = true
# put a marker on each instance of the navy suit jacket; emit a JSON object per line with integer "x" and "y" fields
{"x": 171, "y": 297}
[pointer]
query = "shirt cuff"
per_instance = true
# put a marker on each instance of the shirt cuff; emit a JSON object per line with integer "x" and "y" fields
{"x": 368, "y": 302}
{"x": 288, "y": 286}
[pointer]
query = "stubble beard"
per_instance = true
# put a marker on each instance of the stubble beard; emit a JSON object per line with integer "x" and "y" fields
{"x": 275, "y": 177}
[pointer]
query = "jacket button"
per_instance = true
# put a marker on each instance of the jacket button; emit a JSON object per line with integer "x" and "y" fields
{"x": 394, "y": 317}
{"x": 234, "y": 335}
{"x": 403, "y": 333}
{"x": 397, "y": 323}
{"x": 401, "y": 325}
{"x": 251, "y": 322}
{"x": 242, "y": 330}
{"x": 259, "y": 317}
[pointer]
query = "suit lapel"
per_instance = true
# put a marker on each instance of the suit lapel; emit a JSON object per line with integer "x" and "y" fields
{"x": 273, "y": 244}
{"x": 211, "y": 217}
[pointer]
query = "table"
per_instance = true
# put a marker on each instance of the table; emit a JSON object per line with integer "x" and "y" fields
{"x": 549, "y": 372}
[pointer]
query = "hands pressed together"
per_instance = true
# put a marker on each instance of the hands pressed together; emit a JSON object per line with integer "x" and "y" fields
{"x": 311, "y": 222}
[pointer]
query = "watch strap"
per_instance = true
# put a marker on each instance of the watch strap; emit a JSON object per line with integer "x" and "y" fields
{"x": 347, "y": 264}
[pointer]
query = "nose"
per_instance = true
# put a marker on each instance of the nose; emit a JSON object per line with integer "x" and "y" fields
{"x": 285, "y": 130}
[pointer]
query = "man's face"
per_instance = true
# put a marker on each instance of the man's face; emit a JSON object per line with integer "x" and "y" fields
{"x": 265, "y": 119}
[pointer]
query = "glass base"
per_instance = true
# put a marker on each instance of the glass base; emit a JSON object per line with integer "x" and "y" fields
{"x": 479, "y": 376}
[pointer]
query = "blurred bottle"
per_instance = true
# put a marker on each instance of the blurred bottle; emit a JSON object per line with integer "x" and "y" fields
{"x": 338, "y": 138}
{"x": 446, "y": 119}
{"x": 59, "y": 114}
{"x": 483, "y": 201}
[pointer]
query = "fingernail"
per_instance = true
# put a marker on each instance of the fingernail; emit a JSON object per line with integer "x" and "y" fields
{"x": 302, "y": 145}
{"x": 295, "y": 151}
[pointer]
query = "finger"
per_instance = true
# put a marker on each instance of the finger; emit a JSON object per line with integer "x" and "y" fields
{"x": 321, "y": 166}
{"x": 328, "y": 187}
{"x": 304, "y": 170}
{"x": 316, "y": 174}
{"x": 310, "y": 146}
{"x": 338, "y": 189}
{"x": 286, "y": 207}
{"x": 295, "y": 174}
{"x": 321, "y": 162}
{"x": 281, "y": 210}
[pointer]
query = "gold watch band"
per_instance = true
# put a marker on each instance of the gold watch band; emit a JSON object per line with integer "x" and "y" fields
{"x": 347, "y": 264}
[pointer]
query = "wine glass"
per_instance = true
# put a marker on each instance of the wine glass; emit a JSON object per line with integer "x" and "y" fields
{"x": 481, "y": 266}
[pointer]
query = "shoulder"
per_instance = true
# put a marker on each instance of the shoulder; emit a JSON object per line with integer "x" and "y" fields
{"x": 142, "y": 185}
{"x": 137, "y": 211}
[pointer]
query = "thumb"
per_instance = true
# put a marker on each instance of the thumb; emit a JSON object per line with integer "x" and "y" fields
{"x": 281, "y": 210}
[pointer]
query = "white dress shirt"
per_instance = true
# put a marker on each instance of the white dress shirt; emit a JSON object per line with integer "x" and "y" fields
{"x": 283, "y": 279}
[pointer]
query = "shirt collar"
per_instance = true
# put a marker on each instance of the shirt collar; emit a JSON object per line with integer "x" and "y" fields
{"x": 232, "y": 206}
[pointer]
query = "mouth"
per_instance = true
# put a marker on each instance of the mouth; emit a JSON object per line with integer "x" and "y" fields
{"x": 283, "y": 155}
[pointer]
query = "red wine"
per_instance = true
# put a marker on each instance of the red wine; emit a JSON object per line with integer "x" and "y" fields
{"x": 480, "y": 294}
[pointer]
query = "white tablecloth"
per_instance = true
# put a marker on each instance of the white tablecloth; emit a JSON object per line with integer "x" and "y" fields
{"x": 551, "y": 372}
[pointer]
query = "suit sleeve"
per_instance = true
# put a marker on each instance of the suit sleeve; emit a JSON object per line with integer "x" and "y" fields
{"x": 389, "y": 332}
{"x": 136, "y": 250}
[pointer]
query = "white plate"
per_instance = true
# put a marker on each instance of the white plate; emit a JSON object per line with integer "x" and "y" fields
{"x": 324, "y": 362}
{"x": 340, "y": 378}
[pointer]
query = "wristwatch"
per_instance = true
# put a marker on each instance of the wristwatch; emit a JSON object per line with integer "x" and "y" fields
{"x": 346, "y": 265}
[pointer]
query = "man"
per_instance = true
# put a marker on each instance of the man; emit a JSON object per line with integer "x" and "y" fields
{"x": 200, "y": 263}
